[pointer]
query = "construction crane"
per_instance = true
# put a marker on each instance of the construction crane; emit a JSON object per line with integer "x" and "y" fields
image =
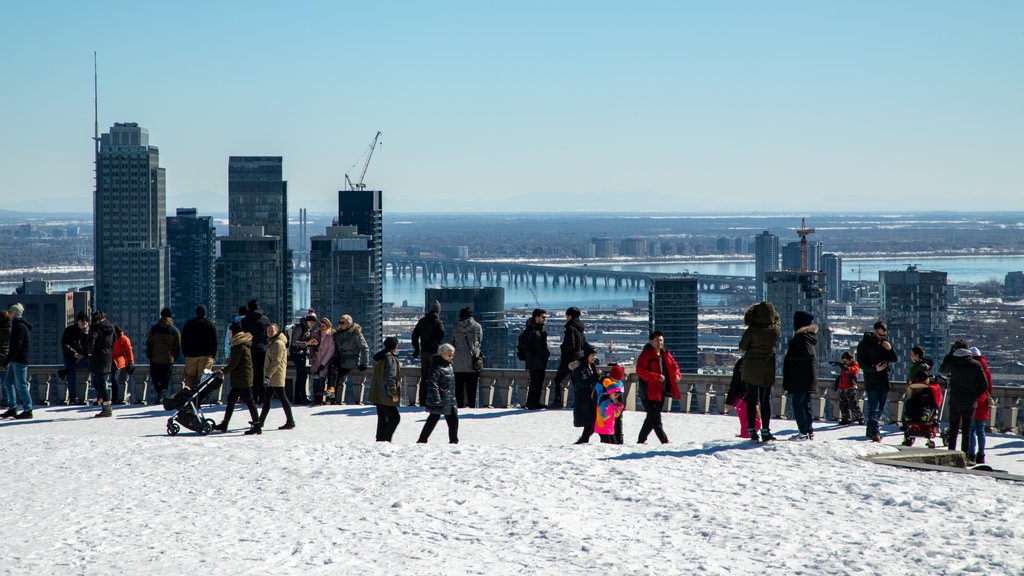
{"x": 804, "y": 231}
{"x": 359, "y": 185}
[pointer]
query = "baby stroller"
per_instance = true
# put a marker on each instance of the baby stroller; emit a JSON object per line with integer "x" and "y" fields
{"x": 188, "y": 404}
{"x": 921, "y": 412}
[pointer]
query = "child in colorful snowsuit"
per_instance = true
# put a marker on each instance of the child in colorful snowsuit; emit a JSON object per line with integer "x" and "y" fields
{"x": 734, "y": 398}
{"x": 608, "y": 423}
{"x": 846, "y": 385}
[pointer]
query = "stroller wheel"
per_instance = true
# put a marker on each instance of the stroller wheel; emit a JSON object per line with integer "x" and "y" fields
{"x": 206, "y": 426}
{"x": 173, "y": 428}
{"x": 930, "y": 443}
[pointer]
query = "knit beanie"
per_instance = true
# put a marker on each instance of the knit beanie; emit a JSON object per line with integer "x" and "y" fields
{"x": 801, "y": 319}
{"x": 16, "y": 310}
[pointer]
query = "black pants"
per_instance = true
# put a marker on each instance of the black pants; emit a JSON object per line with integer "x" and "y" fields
{"x": 652, "y": 422}
{"x": 246, "y": 395}
{"x": 758, "y": 397}
{"x": 299, "y": 395}
{"x": 161, "y": 375}
{"x": 960, "y": 421}
{"x": 451, "y": 419}
{"x": 533, "y": 394}
{"x": 268, "y": 396}
{"x": 588, "y": 431}
{"x": 557, "y": 392}
{"x": 424, "y": 376}
{"x": 465, "y": 389}
{"x": 387, "y": 421}
{"x": 257, "y": 376}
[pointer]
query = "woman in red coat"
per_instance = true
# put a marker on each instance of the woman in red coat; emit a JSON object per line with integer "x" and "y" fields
{"x": 659, "y": 378}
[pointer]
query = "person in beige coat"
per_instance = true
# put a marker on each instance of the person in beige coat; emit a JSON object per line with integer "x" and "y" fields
{"x": 274, "y": 366}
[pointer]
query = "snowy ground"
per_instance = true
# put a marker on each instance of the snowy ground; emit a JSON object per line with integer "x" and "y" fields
{"x": 119, "y": 496}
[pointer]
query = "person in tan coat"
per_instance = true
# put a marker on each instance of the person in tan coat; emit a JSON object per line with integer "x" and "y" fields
{"x": 274, "y": 366}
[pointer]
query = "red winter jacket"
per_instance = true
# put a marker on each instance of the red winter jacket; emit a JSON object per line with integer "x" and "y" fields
{"x": 122, "y": 352}
{"x": 982, "y": 412}
{"x": 648, "y": 368}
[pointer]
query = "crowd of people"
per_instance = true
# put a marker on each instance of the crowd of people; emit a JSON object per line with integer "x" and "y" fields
{"x": 325, "y": 356}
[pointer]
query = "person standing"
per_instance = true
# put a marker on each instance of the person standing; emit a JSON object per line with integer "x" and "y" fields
{"x": 163, "y": 346}
{"x": 608, "y": 418}
{"x": 440, "y": 399}
{"x": 239, "y": 367}
{"x": 100, "y": 348}
{"x": 199, "y": 344}
{"x": 966, "y": 383}
{"x": 659, "y": 376}
{"x": 5, "y": 342}
{"x": 734, "y": 397}
{"x": 981, "y": 413}
{"x": 325, "y": 374}
{"x": 800, "y": 371}
{"x": 426, "y": 337}
{"x": 124, "y": 366}
{"x": 72, "y": 345}
{"x": 532, "y": 348}
{"x": 467, "y": 336}
{"x": 758, "y": 370}
{"x": 874, "y": 354}
{"x": 586, "y": 379}
{"x": 256, "y": 323}
{"x": 846, "y": 387}
{"x": 386, "y": 388}
{"x": 572, "y": 350}
{"x": 15, "y": 384}
{"x": 298, "y": 353}
{"x": 350, "y": 353}
{"x": 276, "y": 363}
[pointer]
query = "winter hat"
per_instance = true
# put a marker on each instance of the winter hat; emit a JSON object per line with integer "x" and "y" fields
{"x": 616, "y": 387}
{"x": 16, "y": 309}
{"x": 81, "y": 317}
{"x": 201, "y": 311}
{"x": 617, "y": 373}
{"x": 166, "y": 313}
{"x": 975, "y": 352}
{"x": 588, "y": 350}
{"x": 435, "y": 307}
{"x": 801, "y": 319}
{"x": 310, "y": 318}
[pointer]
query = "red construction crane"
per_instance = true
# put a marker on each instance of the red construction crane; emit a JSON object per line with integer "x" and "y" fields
{"x": 803, "y": 232}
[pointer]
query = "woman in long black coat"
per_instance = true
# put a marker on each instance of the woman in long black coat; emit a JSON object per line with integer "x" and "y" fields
{"x": 440, "y": 397}
{"x": 584, "y": 378}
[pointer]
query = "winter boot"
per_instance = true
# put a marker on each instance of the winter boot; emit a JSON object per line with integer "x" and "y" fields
{"x": 222, "y": 427}
{"x": 106, "y": 412}
{"x": 11, "y": 413}
{"x": 766, "y": 436}
{"x": 287, "y": 425}
{"x": 26, "y": 415}
{"x": 753, "y": 435}
{"x": 256, "y": 429}
{"x": 980, "y": 459}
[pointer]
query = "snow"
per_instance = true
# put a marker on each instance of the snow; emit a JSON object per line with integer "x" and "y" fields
{"x": 120, "y": 496}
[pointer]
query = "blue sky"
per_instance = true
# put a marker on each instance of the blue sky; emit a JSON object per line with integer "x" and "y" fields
{"x": 530, "y": 106}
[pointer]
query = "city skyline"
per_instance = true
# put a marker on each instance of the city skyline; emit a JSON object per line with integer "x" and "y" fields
{"x": 579, "y": 106}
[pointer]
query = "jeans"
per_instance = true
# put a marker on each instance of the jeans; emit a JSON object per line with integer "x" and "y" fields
{"x": 99, "y": 381}
{"x": 16, "y": 381}
{"x": 977, "y": 437}
{"x": 802, "y": 411}
{"x": 874, "y": 402}
{"x": 72, "y": 366}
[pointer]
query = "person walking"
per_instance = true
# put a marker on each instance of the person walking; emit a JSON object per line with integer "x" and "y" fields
{"x": 386, "y": 388}
{"x": 256, "y": 323}
{"x": 124, "y": 366}
{"x": 586, "y": 378}
{"x": 325, "y": 374}
{"x": 72, "y": 345}
{"x": 758, "y": 370}
{"x": 800, "y": 372}
{"x": 440, "y": 399}
{"x": 199, "y": 345}
{"x": 532, "y": 348}
{"x": 163, "y": 346}
{"x": 275, "y": 365}
{"x": 427, "y": 335}
{"x": 659, "y": 376}
{"x": 239, "y": 368}
{"x": 572, "y": 350}
{"x": 967, "y": 383}
{"x": 15, "y": 384}
{"x": 467, "y": 336}
{"x": 100, "y": 348}
{"x": 874, "y": 355}
{"x": 350, "y": 353}
{"x": 299, "y": 354}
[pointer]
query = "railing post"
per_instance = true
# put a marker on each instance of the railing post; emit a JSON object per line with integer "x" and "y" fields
{"x": 486, "y": 397}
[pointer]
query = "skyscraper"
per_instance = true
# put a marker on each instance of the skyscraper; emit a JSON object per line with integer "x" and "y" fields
{"x": 257, "y": 197}
{"x": 792, "y": 290}
{"x": 363, "y": 209}
{"x": 766, "y": 258}
{"x": 832, "y": 266}
{"x": 193, "y": 242}
{"x": 914, "y": 303}
{"x": 132, "y": 259}
{"x": 344, "y": 278}
{"x": 672, "y": 308}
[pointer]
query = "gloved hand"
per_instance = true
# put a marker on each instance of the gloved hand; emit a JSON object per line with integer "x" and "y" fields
{"x": 362, "y": 367}
{"x": 130, "y": 369}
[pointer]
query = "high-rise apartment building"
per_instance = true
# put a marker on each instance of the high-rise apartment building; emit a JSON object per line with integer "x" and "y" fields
{"x": 633, "y": 247}
{"x": 832, "y": 266}
{"x": 193, "y": 243}
{"x": 792, "y": 258}
{"x": 672, "y": 306}
{"x": 766, "y": 258}
{"x": 132, "y": 259}
{"x": 914, "y": 304}
{"x": 790, "y": 291}
{"x": 344, "y": 278}
{"x": 257, "y": 198}
{"x": 49, "y": 313}
{"x": 488, "y": 306}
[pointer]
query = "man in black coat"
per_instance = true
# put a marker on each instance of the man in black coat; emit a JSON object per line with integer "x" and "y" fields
{"x": 874, "y": 355}
{"x": 199, "y": 345}
{"x": 572, "y": 351}
{"x": 72, "y": 346}
{"x": 426, "y": 337}
{"x": 967, "y": 381}
{"x": 256, "y": 323}
{"x": 800, "y": 371}
{"x": 15, "y": 383}
{"x": 532, "y": 348}
{"x": 100, "y": 346}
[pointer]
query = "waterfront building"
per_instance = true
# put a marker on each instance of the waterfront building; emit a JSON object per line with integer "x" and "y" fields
{"x": 602, "y": 248}
{"x": 193, "y": 244}
{"x": 1013, "y": 285}
{"x": 766, "y": 258}
{"x": 132, "y": 259}
{"x": 793, "y": 290}
{"x": 257, "y": 213}
{"x": 672, "y": 308}
{"x": 832, "y": 266}
{"x": 633, "y": 247}
{"x": 343, "y": 280}
{"x": 488, "y": 306}
{"x": 48, "y": 313}
{"x": 915, "y": 306}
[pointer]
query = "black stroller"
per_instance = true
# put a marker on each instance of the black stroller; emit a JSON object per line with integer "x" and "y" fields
{"x": 188, "y": 404}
